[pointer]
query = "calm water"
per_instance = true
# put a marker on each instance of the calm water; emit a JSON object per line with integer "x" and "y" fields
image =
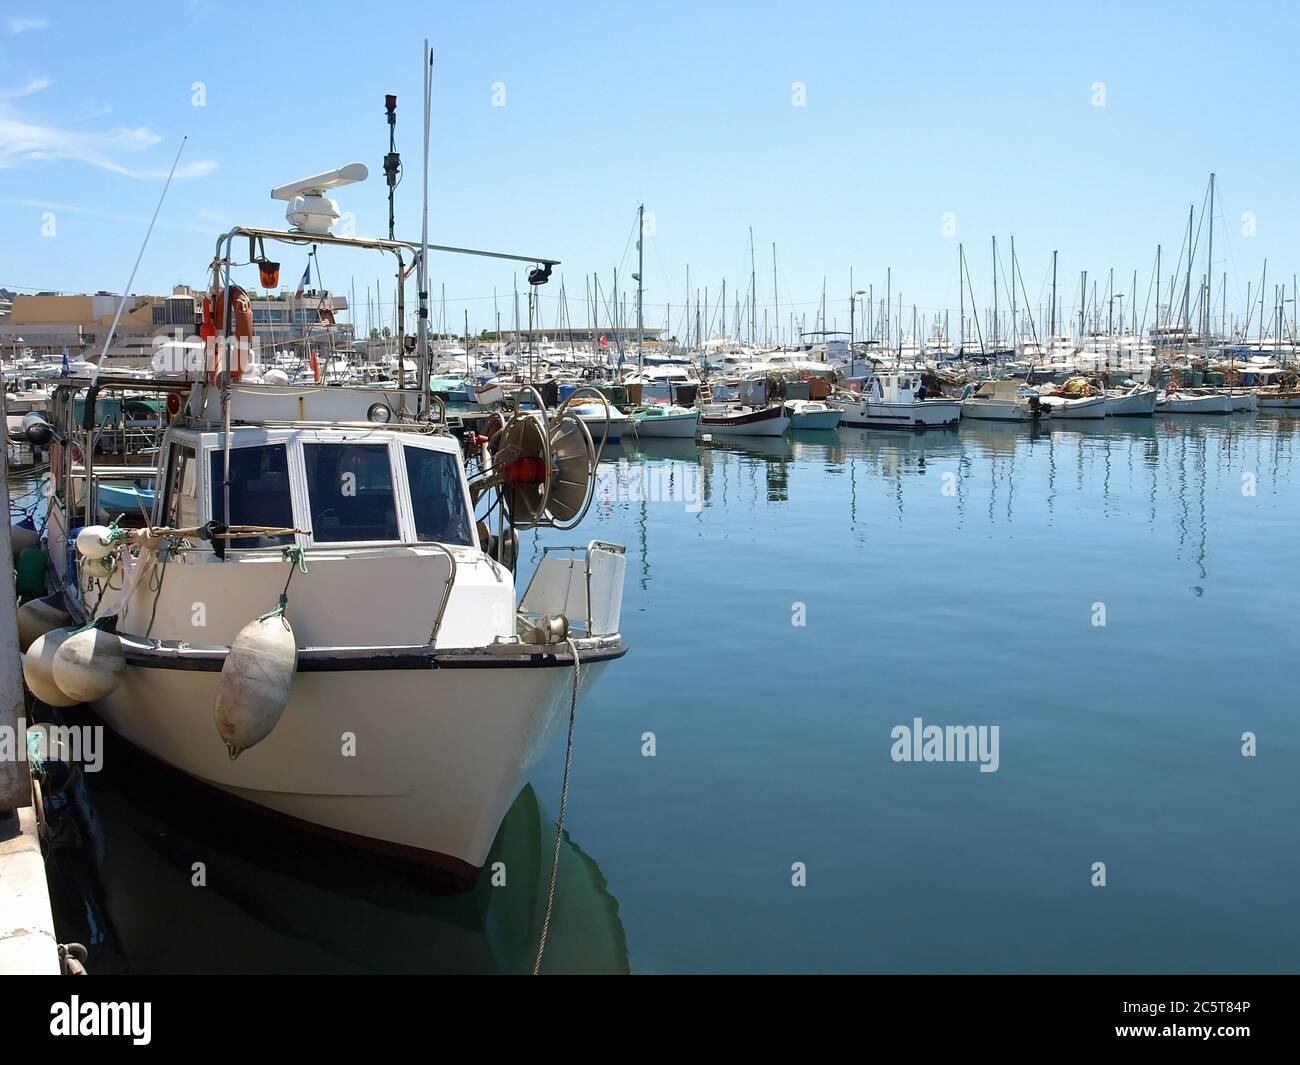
{"x": 954, "y": 577}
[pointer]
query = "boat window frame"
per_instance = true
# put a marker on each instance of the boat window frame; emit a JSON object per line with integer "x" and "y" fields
{"x": 293, "y": 440}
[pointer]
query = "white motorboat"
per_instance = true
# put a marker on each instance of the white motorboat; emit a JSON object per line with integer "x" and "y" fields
{"x": 604, "y": 420}
{"x": 811, "y": 414}
{"x": 1000, "y": 401}
{"x": 1136, "y": 402}
{"x": 1075, "y": 407}
{"x": 720, "y": 419}
{"x": 1193, "y": 403}
{"x": 896, "y": 400}
{"x": 662, "y": 420}
{"x": 313, "y": 621}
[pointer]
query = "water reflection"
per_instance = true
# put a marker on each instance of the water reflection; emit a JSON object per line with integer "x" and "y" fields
{"x": 276, "y": 900}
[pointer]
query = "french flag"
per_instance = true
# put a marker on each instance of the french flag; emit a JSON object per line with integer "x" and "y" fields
{"x": 306, "y": 280}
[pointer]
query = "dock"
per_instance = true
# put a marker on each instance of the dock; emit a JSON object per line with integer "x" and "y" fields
{"x": 28, "y": 945}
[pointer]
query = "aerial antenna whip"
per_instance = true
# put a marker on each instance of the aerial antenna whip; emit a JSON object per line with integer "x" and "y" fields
{"x": 121, "y": 304}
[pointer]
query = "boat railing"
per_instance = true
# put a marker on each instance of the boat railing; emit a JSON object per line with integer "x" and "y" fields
{"x": 446, "y": 590}
{"x": 585, "y": 584}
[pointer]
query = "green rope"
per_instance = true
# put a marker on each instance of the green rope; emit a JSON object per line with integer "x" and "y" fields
{"x": 278, "y": 612}
{"x": 297, "y": 556}
{"x": 34, "y": 758}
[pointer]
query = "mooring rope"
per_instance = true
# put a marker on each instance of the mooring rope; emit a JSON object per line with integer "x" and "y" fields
{"x": 564, "y": 800}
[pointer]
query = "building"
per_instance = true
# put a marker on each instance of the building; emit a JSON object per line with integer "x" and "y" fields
{"x": 47, "y": 323}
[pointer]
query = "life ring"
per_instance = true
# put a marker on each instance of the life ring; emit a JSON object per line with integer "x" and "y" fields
{"x": 214, "y": 322}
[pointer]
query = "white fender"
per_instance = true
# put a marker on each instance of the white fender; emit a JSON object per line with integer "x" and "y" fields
{"x": 255, "y": 682}
{"x": 88, "y": 665}
{"x": 37, "y": 668}
{"x": 37, "y": 617}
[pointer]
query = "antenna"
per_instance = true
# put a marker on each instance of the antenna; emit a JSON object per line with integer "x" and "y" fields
{"x": 309, "y": 211}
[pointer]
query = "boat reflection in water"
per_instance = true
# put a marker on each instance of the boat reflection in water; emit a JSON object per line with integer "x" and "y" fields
{"x": 129, "y": 843}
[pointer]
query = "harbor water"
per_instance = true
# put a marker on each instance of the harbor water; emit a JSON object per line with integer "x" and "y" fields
{"x": 1117, "y": 598}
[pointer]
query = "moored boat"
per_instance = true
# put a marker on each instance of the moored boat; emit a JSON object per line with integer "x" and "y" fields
{"x": 1193, "y": 403}
{"x": 723, "y": 420}
{"x": 664, "y": 421}
{"x": 809, "y": 414}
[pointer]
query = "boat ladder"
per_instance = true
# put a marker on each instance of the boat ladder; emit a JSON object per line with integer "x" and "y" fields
{"x": 704, "y": 394}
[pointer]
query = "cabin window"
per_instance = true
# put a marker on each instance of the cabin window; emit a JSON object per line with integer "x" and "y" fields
{"x": 259, "y": 492}
{"x": 181, "y": 511}
{"x": 350, "y": 492}
{"x": 437, "y": 497}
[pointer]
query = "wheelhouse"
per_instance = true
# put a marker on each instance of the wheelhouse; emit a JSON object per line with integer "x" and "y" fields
{"x": 318, "y": 487}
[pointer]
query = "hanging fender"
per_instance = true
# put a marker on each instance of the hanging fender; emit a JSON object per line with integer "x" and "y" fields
{"x": 214, "y": 323}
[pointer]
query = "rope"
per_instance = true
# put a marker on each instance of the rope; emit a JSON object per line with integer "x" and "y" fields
{"x": 564, "y": 800}
{"x": 298, "y": 563}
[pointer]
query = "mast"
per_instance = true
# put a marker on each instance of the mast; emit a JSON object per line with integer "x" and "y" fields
{"x": 1209, "y": 261}
{"x": 640, "y": 291}
{"x": 994, "y": 331}
{"x": 753, "y": 289}
{"x": 776, "y": 303}
{"x": 1053, "y": 331}
{"x": 961, "y": 296}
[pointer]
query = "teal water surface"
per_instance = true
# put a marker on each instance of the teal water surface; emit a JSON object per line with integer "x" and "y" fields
{"x": 788, "y": 604}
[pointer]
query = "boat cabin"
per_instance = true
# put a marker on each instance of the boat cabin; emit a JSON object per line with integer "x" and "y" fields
{"x": 338, "y": 486}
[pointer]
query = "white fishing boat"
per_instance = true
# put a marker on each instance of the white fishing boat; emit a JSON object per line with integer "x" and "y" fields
{"x": 604, "y": 420}
{"x": 720, "y": 419}
{"x": 1279, "y": 399}
{"x": 1075, "y": 407}
{"x": 1136, "y": 402}
{"x": 1000, "y": 401}
{"x": 662, "y": 420}
{"x": 811, "y": 414}
{"x": 1193, "y": 403}
{"x": 313, "y": 621}
{"x": 896, "y": 400}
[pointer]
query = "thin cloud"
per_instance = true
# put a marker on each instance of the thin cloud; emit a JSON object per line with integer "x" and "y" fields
{"x": 34, "y": 85}
{"x": 22, "y": 24}
{"x": 95, "y": 212}
{"x": 23, "y": 142}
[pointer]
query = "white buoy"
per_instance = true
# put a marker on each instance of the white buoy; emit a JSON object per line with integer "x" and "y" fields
{"x": 275, "y": 377}
{"x": 255, "y": 682}
{"x": 37, "y": 668}
{"x": 88, "y": 665}
{"x": 37, "y": 617}
{"x": 94, "y": 541}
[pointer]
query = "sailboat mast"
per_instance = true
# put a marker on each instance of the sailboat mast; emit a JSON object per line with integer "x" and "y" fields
{"x": 753, "y": 291}
{"x": 640, "y": 290}
{"x": 1209, "y": 260}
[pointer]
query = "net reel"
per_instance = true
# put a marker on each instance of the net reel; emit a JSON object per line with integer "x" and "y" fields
{"x": 543, "y": 465}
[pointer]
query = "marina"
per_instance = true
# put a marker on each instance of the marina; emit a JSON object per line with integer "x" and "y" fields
{"x": 530, "y": 525}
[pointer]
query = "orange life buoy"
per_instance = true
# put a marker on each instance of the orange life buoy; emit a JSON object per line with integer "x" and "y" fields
{"x": 214, "y": 322}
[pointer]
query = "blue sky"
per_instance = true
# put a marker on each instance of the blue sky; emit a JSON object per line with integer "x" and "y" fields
{"x": 912, "y": 111}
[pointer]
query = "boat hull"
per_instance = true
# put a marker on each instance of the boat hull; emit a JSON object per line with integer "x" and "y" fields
{"x": 670, "y": 426}
{"x": 1132, "y": 404}
{"x": 924, "y": 414}
{"x": 819, "y": 420}
{"x": 419, "y": 758}
{"x": 772, "y": 421}
{"x": 995, "y": 410}
{"x": 1216, "y": 403}
{"x": 1084, "y": 409}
